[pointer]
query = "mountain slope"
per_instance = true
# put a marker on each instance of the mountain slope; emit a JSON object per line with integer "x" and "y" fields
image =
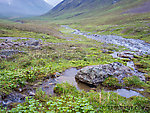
{"x": 17, "y": 8}
{"x": 80, "y": 6}
{"x": 92, "y": 8}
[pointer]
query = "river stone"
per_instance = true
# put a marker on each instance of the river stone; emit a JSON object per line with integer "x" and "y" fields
{"x": 13, "y": 98}
{"x": 95, "y": 75}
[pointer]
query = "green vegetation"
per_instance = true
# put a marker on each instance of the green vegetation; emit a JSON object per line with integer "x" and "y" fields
{"x": 36, "y": 64}
{"x": 134, "y": 82}
{"x": 112, "y": 82}
{"x": 60, "y": 54}
{"x": 61, "y": 50}
{"x": 71, "y": 100}
{"x": 143, "y": 63}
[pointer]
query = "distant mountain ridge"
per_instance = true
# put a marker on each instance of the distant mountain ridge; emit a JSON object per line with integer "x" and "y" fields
{"x": 79, "y": 5}
{"x": 21, "y": 8}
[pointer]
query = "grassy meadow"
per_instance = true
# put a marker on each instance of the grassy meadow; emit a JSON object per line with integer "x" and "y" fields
{"x": 62, "y": 50}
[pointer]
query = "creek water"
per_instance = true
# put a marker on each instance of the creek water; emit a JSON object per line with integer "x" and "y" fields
{"x": 69, "y": 77}
{"x": 132, "y": 44}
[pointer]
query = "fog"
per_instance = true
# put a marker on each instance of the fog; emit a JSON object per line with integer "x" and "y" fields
{"x": 53, "y": 2}
{"x": 20, "y": 8}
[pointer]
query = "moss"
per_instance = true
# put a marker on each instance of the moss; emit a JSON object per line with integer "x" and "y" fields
{"x": 134, "y": 81}
{"x": 143, "y": 63}
{"x": 126, "y": 59}
{"x": 136, "y": 56}
{"x": 112, "y": 82}
{"x": 110, "y": 52}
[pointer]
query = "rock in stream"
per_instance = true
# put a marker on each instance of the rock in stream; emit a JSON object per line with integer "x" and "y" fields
{"x": 94, "y": 75}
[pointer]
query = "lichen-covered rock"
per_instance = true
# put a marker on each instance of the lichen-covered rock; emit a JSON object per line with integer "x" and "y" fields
{"x": 95, "y": 75}
{"x": 11, "y": 44}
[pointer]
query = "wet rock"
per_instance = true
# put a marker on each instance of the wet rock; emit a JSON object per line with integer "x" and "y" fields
{"x": 57, "y": 74}
{"x": 126, "y": 54}
{"x": 13, "y": 98}
{"x": 31, "y": 93}
{"x": 53, "y": 76}
{"x": 35, "y": 43}
{"x": 3, "y": 56}
{"x": 19, "y": 90}
{"x": 95, "y": 75}
{"x": 52, "y": 83}
{"x": 17, "y": 44}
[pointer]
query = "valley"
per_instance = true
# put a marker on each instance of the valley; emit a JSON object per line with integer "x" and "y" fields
{"x": 71, "y": 60}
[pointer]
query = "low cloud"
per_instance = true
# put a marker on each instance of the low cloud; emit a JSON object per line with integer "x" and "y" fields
{"x": 53, "y": 2}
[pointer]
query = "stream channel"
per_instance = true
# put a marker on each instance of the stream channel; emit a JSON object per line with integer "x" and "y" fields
{"x": 47, "y": 85}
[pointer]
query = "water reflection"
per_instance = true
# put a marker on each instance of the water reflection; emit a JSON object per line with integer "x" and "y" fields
{"x": 69, "y": 76}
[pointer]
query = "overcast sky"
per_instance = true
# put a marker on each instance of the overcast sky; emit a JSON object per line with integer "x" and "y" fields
{"x": 53, "y": 2}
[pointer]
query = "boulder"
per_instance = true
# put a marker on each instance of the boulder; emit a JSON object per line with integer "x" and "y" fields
{"x": 94, "y": 75}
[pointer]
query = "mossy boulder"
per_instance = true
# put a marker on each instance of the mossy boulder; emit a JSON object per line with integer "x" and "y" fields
{"x": 95, "y": 75}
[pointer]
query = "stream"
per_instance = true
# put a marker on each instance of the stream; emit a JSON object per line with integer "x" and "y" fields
{"x": 139, "y": 47}
{"x": 132, "y": 44}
